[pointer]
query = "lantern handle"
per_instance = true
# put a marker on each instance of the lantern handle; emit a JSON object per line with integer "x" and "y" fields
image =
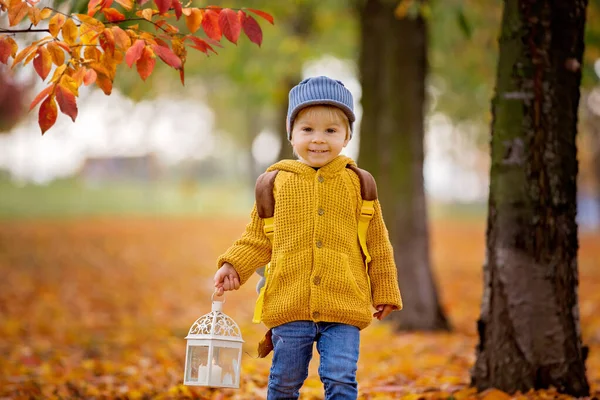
{"x": 212, "y": 298}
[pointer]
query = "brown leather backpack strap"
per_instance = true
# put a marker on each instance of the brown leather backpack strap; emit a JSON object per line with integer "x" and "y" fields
{"x": 263, "y": 191}
{"x": 368, "y": 186}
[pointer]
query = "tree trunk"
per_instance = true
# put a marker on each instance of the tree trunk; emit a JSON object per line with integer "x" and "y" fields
{"x": 393, "y": 68}
{"x": 529, "y": 326}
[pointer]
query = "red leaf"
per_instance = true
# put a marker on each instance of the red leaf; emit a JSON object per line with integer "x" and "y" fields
{"x": 210, "y": 24}
{"x": 134, "y": 52}
{"x": 113, "y": 15}
{"x": 48, "y": 113}
{"x": 230, "y": 25}
{"x": 263, "y": 14}
{"x": 66, "y": 102}
{"x": 163, "y": 5}
{"x": 145, "y": 65}
{"x": 176, "y": 4}
{"x": 5, "y": 50}
{"x": 251, "y": 29}
{"x": 42, "y": 62}
{"x": 167, "y": 56}
{"x": 40, "y": 96}
{"x": 201, "y": 44}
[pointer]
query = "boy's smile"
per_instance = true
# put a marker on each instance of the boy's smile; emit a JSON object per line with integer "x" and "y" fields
{"x": 319, "y": 134}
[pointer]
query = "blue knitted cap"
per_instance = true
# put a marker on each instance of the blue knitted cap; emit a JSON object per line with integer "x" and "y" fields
{"x": 316, "y": 91}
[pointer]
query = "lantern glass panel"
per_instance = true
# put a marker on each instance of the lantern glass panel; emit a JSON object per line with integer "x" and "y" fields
{"x": 197, "y": 357}
{"x": 225, "y": 366}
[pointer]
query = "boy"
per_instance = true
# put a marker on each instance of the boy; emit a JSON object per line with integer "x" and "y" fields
{"x": 318, "y": 289}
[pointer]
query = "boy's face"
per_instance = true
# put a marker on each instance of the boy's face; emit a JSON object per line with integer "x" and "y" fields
{"x": 319, "y": 134}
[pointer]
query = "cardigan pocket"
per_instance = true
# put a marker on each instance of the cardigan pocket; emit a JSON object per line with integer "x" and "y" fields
{"x": 288, "y": 286}
{"x": 339, "y": 281}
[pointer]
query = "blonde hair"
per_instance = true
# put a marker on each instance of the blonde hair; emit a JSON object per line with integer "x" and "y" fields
{"x": 324, "y": 110}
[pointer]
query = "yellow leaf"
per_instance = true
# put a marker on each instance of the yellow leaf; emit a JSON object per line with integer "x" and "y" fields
{"x": 45, "y": 13}
{"x": 56, "y": 24}
{"x": 194, "y": 20}
{"x": 127, "y": 4}
{"x": 69, "y": 32}
{"x": 58, "y": 72}
{"x": 92, "y": 53}
{"x": 147, "y": 14}
{"x": 34, "y": 15}
{"x": 22, "y": 54}
{"x": 57, "y": 53}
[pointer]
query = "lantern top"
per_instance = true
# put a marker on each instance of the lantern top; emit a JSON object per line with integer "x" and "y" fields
{"x": 215, "y": 325}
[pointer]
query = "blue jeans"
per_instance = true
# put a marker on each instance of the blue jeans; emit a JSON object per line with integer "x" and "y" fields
{"x": 338, "y": 346}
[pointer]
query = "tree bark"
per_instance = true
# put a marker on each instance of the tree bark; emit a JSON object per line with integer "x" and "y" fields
{"x": 529, "y": 328}
{"x": 393, "y": 68}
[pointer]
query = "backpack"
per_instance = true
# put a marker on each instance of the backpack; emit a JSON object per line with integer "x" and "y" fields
{"x": 265, "y": 205}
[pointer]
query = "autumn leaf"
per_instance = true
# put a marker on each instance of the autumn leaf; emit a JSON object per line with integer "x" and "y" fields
{"x": 22, "y": 54}
{"x": 126, "y": 4}
{"x": 56, "y": 53}
{"x": 89, "y": 77}
{"x": 145, "y": 64}
{"x": 200, "y": 44}
{"x": 104, "y": 83}
{"x": 8, "y": 48}
{"x": 176, "y": 4}
{"x": 122, "y": 39}
{"x": 107, "y": 41}
{"x": 42, "y": 62}
{"x": 252, "y": 29}
{"x": 47, "y": 114}
{"x": 69, "y": 32}
{"x": 167, "y": 56}
{"x": 163, "y": 5}
{"x": 263, "y": 14}
{"x": 66, "y": 101}
{"x": 210, "y": 24}
{"x": 113, "y": 15}
{"x": 93, "y": 7}
{"x": 147, "y": 13}
{"x": 229, "y": 22}
{"x": 34, "y": 15}
{"x": 56, "y": 23}
{"x": 17, "y": 10}
{"x": 193, "y": 19}
{"x": 134, "y": 52}
{"x": 41, "y": 95}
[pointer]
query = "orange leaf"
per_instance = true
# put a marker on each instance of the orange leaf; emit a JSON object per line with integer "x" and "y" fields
{"x": 194, "y": 19}
{"x": 48, "y": 113}
{"x": 263, "y": 14}
{"x": 40, "y": 96}
{"x": 210, "y": 24}
{"x": 182, "y": 75}
{"x": 230, "y": 25}
{"x": 113, "y": 15}
{"x": 89, "y": 77}
{"x": 6, "y": 50}
{"x": 126, "y": 4}
{"x": 134, "y": 52}
{"x": 104, "y": 83}
{"x": 167, "y": 56}
{"x": 69, "y": 32}
{"x": 66, "y": 102}
{"x": 122, "y": 39}
{"x": 56, "y": 23}
{"x": 107, "y": 41}
{"x": 22, "y": 54}
{"x": 34, "y": 15}
{"x": 42, "y": 62}
{"x": 163, "y": 5}
{"x": 76, "y": 80}
{"x": 147, "y": 13}
{"x": 145, "y": 65}
{"x": 17, "y": 10}
{"x": 93, "y": 7}
{"x": 252, "y": 29}
{"x": 45, "y": 13}
{"x": 495, "y": 394}
{"x": 56, "y": 53}
{"x": 176, "y": 4}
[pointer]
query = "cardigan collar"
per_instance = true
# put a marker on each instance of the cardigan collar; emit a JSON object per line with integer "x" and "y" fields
{"x": 298, "y": 167}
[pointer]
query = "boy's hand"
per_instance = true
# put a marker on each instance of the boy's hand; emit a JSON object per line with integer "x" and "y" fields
{"x": 383, "y": 310}
{"x": 226, "y": 278}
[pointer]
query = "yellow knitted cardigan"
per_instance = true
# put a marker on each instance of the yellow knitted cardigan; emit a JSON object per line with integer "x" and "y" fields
{"x": 317, "y": 268}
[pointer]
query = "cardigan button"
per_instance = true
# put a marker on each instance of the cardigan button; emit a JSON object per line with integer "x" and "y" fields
{"x": 316, "y": 315}
{"x": 319, "y": 244}
{"x": 320, "y": 178}
{"x": 321, "y": 211}
{"x": 317, "y": 280}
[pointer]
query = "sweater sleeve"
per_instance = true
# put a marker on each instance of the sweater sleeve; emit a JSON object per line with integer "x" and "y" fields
{"x": 382, "y": 268}
{"x": 251, "y": 251}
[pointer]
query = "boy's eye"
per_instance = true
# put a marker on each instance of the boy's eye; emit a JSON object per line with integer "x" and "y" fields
{"x": 330, "y": 130}
{"x": 307, "y": 129}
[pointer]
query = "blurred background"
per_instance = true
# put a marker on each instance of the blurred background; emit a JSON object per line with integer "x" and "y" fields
{"x": 158, "y": 147}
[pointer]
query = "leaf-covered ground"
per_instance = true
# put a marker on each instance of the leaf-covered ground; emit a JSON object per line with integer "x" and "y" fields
{"x": 98, "y": 308}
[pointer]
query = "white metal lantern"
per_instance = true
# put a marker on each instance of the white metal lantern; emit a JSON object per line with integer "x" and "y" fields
{"x": 214, "y": 350}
